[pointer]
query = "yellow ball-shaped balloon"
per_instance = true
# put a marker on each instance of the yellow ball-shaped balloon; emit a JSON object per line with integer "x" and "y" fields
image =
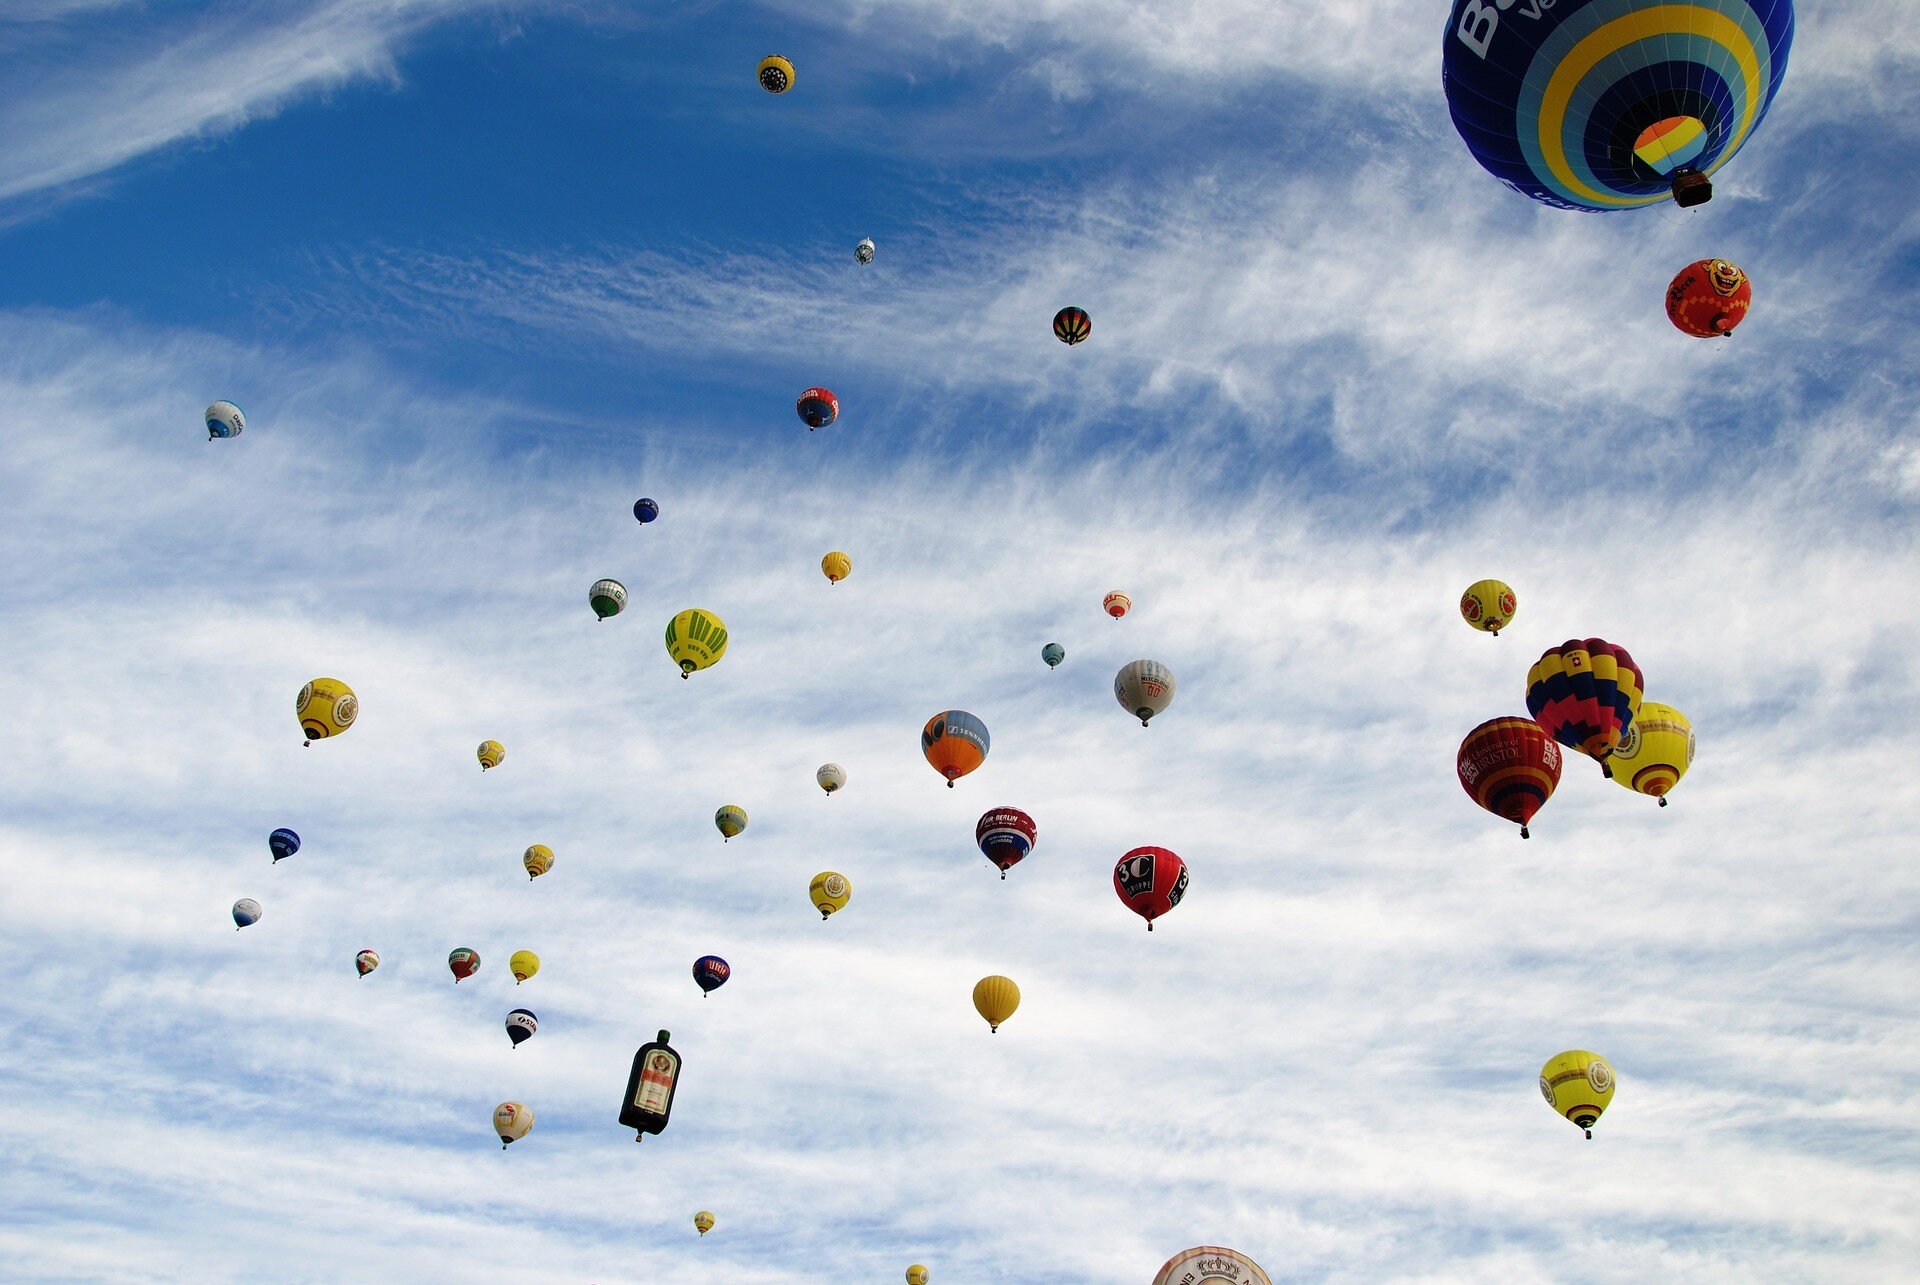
{"x": 696, "y": 639}
{"x": 836, "y": 566}
{"x": 538, "y": 860}
{"x": 995, "y": 998}
{"x": 327, "y": 707}
{"x": 918, "y": 1275}
{"x": 1578, "y": 1085}
{"x": 1654, "y": 752}
{"x": 703, "y": 1221}
{"x": 830, "y": 891}
{"x": 1488, "y": 605}
{"x": 776, "y": 74}
{"x": 524, "y": 965}
{"x": 492, "y": 753}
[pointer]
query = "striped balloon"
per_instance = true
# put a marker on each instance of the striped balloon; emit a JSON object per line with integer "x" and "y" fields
{"x": 1599, "y": 104}
{"x": 1585, "y": 692}
{"x": 1509, "y": 766}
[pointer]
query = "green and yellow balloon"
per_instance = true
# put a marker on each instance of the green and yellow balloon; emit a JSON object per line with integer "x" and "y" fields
{"x": 696, "y": 639}
{"x": 730, "y": 820}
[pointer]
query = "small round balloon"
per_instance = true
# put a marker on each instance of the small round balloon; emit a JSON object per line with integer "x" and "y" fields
{"x": 995, "y": 998}
{"x": 1211, "y": 1265}
{"x": 522, "y": 1026}
{"x": 224, "y": 420}
{"x": 512, "y": 1120}
{"x": 818, "y": 407}
{"x": 836, "y": 566}
{"x": 1053, "y": 654}
{"x": 463, "y": 962}
{"x": 1143, "y": 688}
{"x": 1656, "y": 751}
{"x": 830, "y": 891}
{"x": 1151, "y": 881}
{"x": 1578, "y": 1085}
{"x": 1488, "y": 605}
{"x": 696, "y": 639}
{"x": 492, "y": 754}
{"x": 703, "y": 1222}
{"x": 711, "y": 972}
{"x": 1072, "y": 326}
{"x": 645, "y": 511}
{"x": 524, "y": 964}
{"x": 954, "y": 743}
{"x": 607, "y": 598}
{"x": 830, "y": 777}
{"x": 776, "y": 74}
{"x": 246, "y": 912}
{"x": 730, "y": 821}
{"x": 283, "y": 843}
{"x": 864, "y": 251}
{"x": 918, "y": 1275}
{"x": 326, "y": 707}
{"x": 366, "y": 961}
{"x": 1005, "y": 836}
{"x": 1116, "y": 604}
{"x": 538, "y": 859}
{"x": 1510, "y": 767}
{"x": 1708, "y": 299}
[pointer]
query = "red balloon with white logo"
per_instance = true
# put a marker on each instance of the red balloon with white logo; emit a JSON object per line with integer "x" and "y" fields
{"x": 1151, "y": 881}
{"x": 1006, "y": 835}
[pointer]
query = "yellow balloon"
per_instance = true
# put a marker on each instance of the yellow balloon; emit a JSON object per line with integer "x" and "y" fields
{"x": 511, "y": 1120}
{"x": 327, "y": 707}
{"x": 776, "y": 74}
{"x": 524, "y": 965}
{"x": 1578, "y": 1085}
{"x": 837, "y": 566}
{"x": 996, "y": 997}
{"x": 730, "y": 820}
{"x": 491, "y": 754}
{"x": 918, "y": 1275}
{"x": 830, "y": 891}
{"x": 1654, "y": 752}
{"x": 1488, "y": 605}
{"x": 703, "y": 1221}
{"x": 538, "y": 860}
{"x": 696, "y": 639}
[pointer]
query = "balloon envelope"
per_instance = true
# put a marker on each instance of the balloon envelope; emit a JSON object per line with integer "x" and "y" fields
{"x": 283, "y": 843}
{"x": 730, "y": 820}
{"x": 1655, "y": 752}
{"x": 696, "y": 639}
{"x": 1143, "y": 688}
{"x": 703, "y": 1222}
{"x": 1510, "y": 767}
{"x": 1708, "y": 299}
{"x": 818, "y": 407}
{"x": 711, "y": 972}
{"x": 830, "y": 777}
{"x": 864, "y": 251}
{"x": 1116, "y": 604}
{"x": 1578, "y": 1085}
{"x": 1585, "y": 692}
{"x": 776, "y": 74}
{"x": 918, "y": 1275}
{"x": 366, "y": 961}
{"x": 463, "y": 962}
{"x": 246, "y": 911}
{"x": 645, "y": 510}
{"x": 1053, "y": 654}
{"x": 491, "y": 754}
{"x": 522, "y": 1026}
{"x": 995, "y": 998}
{"x": 1072, "y": 325}
{"x": 511, "y": 1120}
{"x": 1211, "y": 1265}
{"x": 829, "y": 890}
{"x": 607, "y": 598}
{"x": 224, "y": 420}
{"x": 1151, "y": 881}
{"x": 538, "y": 859}
{"x": 523, "y": 964}
{"x": 1006, "y": 836}
{"x": 1488, "y": 605}
{"x": 955, "y": 743}
{"x": 326, "y": 707}
{"x": 836, "y": 566}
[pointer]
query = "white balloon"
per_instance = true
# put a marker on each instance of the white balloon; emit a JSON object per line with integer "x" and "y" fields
{"x": 1143, "y": 688}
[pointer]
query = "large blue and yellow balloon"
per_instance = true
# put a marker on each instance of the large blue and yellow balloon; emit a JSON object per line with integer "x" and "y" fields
{"x": 1600, "y": 104}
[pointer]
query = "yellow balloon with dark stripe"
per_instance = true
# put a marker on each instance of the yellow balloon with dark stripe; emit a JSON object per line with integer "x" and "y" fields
{"x": 1655, "y": 751}
{"x": 730, "y": 820}
{"x": 1488, "y": 605}
{"x": 492, "y": 754}
{"x": 703, "y": 1222}
{"x": 696, "y": 639}
{"x": 1578, "y": 1085}
{"x": 836, "y": 566}
{"x": 538, "y": 860}
{"x": 776, "y": 74}
{"x": 327, "y": 707}
{"x": 830, "y": 890}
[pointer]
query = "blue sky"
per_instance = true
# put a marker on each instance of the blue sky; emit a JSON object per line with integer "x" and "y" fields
{"x": 481, "y": 274}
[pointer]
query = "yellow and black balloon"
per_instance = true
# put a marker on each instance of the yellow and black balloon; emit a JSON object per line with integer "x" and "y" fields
{"x": 1654, "y": 752}
{"x": 830, "y": 891}
{"x": 703, "y": 1222}
{"x": 538, "y": 859}
{"x": 327, "y": 707}
{"x": 492, "y": 754}
{"x": 1578, "y": 1085}
{"x": 776, "y": 74}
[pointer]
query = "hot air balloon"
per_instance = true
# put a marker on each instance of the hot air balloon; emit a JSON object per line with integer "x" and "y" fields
{"x": 645, "y": 511}
{"x": 511, "y": 1120}
{"x": 224, "y": 420}
{"x": 650, "y": 1087}
{"x": 1072, "y": 325}
{"x": 955, "y": 743}
{"x": 524, "y": 964}
{"x": 695, "y": 640}
{"x": 327, "y": 707}
{"x": 831, "y": 777}
{"x": 731, "y": 820}
{"x": 366, "y": 961}
{"x": 522, "y": 1026}
{"x": 864, "y": 251}
{"x": 1143, "y": 688}
{"x": 1655, "y": 752}
{"x": 1578, "y": 1085}
{"x": 1612, "y": 104}
{"x": 1151, "y": 881}
{"x": 776, "y": 74}
{"x": 818, "y": 407}
{"x": 703, "y": 1222}
{"x": 918, "y": 1275}
{"x": 836, "y": 566}
{"x": 711, "y": 972}
{"x": 246, "y": 912}
{"x": 1708, "y": 299}
{"x": 1585, "y": 692}
{"x": 1053, "y": 654}
{"x": 282, "y": 843}
{"x": 607, "y": 598}
{"x": 1488, "y": 605}
{"x": 995, "y": 998}
{"x": 538, "y": 859}
{"x": 1006, "y": 836}
{"x": 464, "y": 963}
{"x": 830, "y": 891}
{"x": 1212, "y": 1264}
{"x": 1116, "y": 604}
{"x": 492, "y": 754}
{"x": 1509, "y": 766}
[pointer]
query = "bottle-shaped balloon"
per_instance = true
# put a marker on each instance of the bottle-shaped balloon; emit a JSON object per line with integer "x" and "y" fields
{"x": 648, "y": 1105}
{"x": 863, "y": 252}
{"x": 224, "y": 420}
{"x": 1151, "y": 881}
{"x": 1578, "y": 1085}
{"x": 246, "y": 912}
{"x": 1585, "y": 693}
{"x": 463, "y": 962}
{"x": 776, "y": 74}
{"x": 326, "y": 707}
{"x": 1143, "y": 688}
{"x": 696, "y": 639}
{"x": 492, "y": 754}
{"x": 730, "y": 820}
{"x": 1708, "y": 299}
{"x": 1510, "y": 767}
{"x": 818, "y": 407}
{"x": 703, "y": 1221}
{"x": 645, "y": 511}
{"x": 1053, "y": 654}
{"x": 366, "y": 961}
{"x": 830, "y": 777}
{"x": 283, "y": 843}
{"x": 1072, "y": 326}
{"x": 995, "y": 998}
{"x": 524, "y": 964}
{"x": 829, "y": 891}
{"x": 538, "y": 859}
{"x": 512, "y": 1120}
{"x": 955, "y": 743}
{"x": 607, "y": 598}
{"x": 1655, "y": 752}
{"x": 711, "y": 973}
{"x": 522, "y": 1026}
{"x": 1116, "y": 604}
{"x": 1006, "y": 836}
{"x": 1488, "y": 605}
{"x": 836, "y": 566}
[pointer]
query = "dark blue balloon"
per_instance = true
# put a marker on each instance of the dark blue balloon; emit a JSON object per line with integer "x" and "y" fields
{"x": 646, "y": 510}
{"x": 711, "y": 972}
{"x": 284, "y": 843}
{"x": 1598, "y": 104}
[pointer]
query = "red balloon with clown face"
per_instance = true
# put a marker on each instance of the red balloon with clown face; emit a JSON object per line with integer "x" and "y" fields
{"x": 1709, "y": 298}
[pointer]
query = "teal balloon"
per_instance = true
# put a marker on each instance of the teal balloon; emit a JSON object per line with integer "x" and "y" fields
{"x": 1053, "y": 654}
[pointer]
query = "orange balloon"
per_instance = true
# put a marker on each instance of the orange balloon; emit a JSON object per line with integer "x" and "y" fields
{"x": 955, "y": 743}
